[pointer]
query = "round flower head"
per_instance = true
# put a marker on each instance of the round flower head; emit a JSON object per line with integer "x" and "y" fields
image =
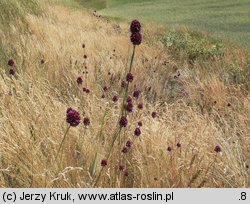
{"x": 11, "y": 62}
{"x": 135, "y": 26}
{"x": 129, "y": 144}
{"x": 140, "y": 123}
{"x": 137, "y": 131}
{"x": 217, "y": 149}
{"x": 140, "y": 106}
{"x": 42, "y": 61}
{"x": 154, "y": 114}
{"x": 126, "y": 173}
{"x": 86, "y": 121}
{"x": 12, "y": 72}
{"x": 85, "y": 56}
{"x": 79, "y": 80}
{"x": 125, "y": 150}
{"x": 129, "y": 99}
{"x": 137, "y": 94}
{"x": 123, "y": 121}
{"x": 73, "y": 117}
{"x": 115, "y": 98}
{"x": 129, "y": 77}
{"x": 104, "y": 163}
{"x": 129, "y": 107}
{"x": 169, "y": 149}
{"x": 105, "y": 88}
{"x": 136, "y": 38}
{"x": 123, "y": 84}
{"x": 178, "y": 145}
{"x": 121, "y": 168}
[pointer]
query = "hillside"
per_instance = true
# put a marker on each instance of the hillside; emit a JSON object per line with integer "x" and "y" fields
{"x": 194, "y": 89}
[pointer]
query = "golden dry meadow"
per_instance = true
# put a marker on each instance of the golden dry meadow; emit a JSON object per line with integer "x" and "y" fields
{"x": 188, "y": 125}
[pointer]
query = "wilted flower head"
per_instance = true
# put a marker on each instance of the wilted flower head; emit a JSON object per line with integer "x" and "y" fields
{"x": 129, "y": 143}
{"x": 137, "y": 131}
{"x": 73, "y": 117}
{"x": 11, "y": 62}
{"x": 12, "y": 72}
{"x": 86, "y": 121}
{"x": 129, "y": 77}
{"x": 135, "y": 26}
{"x": 154, "y": 114}
{"x": 136, "y": 38}
{"x": 217, "y": 149}
{"x": 115, "y": 98}
{"x": 104, "y": 163}
{"x": 140, "y": 106}
{"x": 79, "y": 80}
{"x": 123, "y": 121}
{"x": 137, "y": 94}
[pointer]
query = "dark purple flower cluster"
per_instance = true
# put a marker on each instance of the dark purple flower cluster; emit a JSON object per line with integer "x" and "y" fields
{"x": 135, "y": 29}
{"x": 140, "y": 123}
{"x": 169, "y": 149}
{"x": 123, "y": 84}
{"x": 105, "y": 88}
{"x": 135, "y": 26}
{"x": 73, "y": 117}
{"x": 121, "y": 168}
{"x": 137, "y": 131}
{"x": 104, "y": 163}
{"x": 12, "y": 72}
{"x": 217, "y": 149}
{"x": 79, "y": 80}
{"x": 129, "y": 77}
{"x": 137, "y": 94}
{"x": 86, "y": 90}
{"x": 129, "y": 107}
{"x": 140, "y": 106}
{"x": 154, "y": 114}
{"x": 11, "y": 62}
{"x": 86, "y": 121}
{"x": 125, "y": 150}
{"x": 123, "y": 121}
{"x": 115, "y": 98}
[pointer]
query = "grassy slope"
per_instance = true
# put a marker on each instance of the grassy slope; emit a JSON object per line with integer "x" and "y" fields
{"x": 200, "y": 103}
{"x": 228, "y": 19}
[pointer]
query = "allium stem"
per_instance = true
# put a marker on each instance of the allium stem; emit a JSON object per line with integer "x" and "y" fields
{"x": 58, "y": 152}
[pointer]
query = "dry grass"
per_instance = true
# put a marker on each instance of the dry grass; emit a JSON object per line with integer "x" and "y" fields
{"x": 199, "y": 106}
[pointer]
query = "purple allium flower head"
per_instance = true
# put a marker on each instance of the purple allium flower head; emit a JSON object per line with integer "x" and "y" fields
{"x": 129, "y": 143}
{"x": 140, "y": 123}
{"x": 126, "y": 173}
{"x": 140, "y": 106}
{"x": 105, "y": 88}
{"x": 129, "y": 99}
{"x": 129, "y": 77}
{"x": 247, "y": 166}
{"x": 124, "y": 150}
{"x": 178, "y": 145}
{"x": 169, "y": 149}
{"x": 154, "y": 114}
{"x": 123, "y": 84}
{"x": 137, "y": 94}
{"x": 86, "y": 121}
{"x": 84, "y": 89}
{"x": 42, "y": 61}
{"x": 104, "y": 163}
{"x": 123, "y": 121}
{"x": 79, "y": 80}
{"x": 11, "y": 62}
{"x": 121, "y": 168}
{"x": 103, "y": 96}
{"x": 73, "y": 117}
{"x": 217, "y": 149}
{"x": 129, "y": 107}
{"x": 135, "y": 26}
{"x": 136, "y": 38}
{"x": 115, "y": 98}
{"x": 12, "y": 72}
{"x": 85, "y": 56}
{"x": 137, "y": 131}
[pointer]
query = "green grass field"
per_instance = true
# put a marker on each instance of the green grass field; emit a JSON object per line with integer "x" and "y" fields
{"x": 223, "y": 18}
